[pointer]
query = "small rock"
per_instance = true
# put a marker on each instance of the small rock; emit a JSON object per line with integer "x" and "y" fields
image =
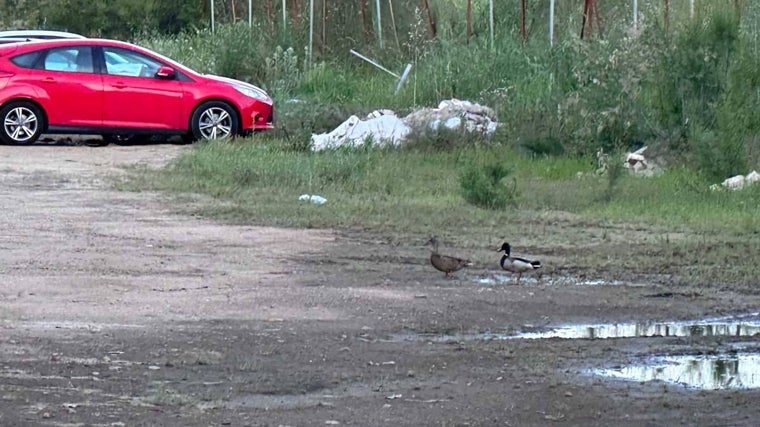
{"x": 332, "y": 422}
{"x": 569, "y": 394}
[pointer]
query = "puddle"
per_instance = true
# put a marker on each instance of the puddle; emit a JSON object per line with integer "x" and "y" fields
{"x": 506, "y": 279}
{"x": 730, "y": 326}
{"x": 93, "y": 327}
{"x": 729, "y": 371}
{"x": 734, "y": 326}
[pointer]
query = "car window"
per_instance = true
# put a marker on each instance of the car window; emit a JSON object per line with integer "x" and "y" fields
{"x": 124, "y": 62}
{"x": 26, "y": 60}
{"x": 77, "y": 59}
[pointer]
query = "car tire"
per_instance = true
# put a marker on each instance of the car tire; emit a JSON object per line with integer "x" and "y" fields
{"x": 22, "y": 121}
{"x": 214, "y": 120}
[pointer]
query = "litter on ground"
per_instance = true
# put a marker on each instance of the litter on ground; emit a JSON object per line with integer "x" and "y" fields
{"x": 738, "y": 182}
{"x": 313, "y": 198}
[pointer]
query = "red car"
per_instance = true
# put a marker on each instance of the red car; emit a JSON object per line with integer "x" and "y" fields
{"x": 112, "y": 88}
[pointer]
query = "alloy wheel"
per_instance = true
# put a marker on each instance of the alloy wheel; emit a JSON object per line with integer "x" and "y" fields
{"x": 215, "y": 123}
{"x": 21, "y": 124}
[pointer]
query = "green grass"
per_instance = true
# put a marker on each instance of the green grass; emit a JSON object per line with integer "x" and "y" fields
{"x": 418, "y": 190}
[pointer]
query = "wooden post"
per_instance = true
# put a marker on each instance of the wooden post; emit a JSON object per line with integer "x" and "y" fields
{"x": 585, "y": 19}
{"x": 523, "y": 33}
{"x": 691, "y": 9}
{"x": 595, "y": 12}
{"x": 270, "y": 15}
{"x": 232, "y": 6}
{"x": 469, "y": 20}
{"x": 363, "y": 11}
{"x": 393, "y": 23}
{"x": 431, "y": 22}
{"x": 296, "y": 16}
{"x": 250, "y": 13}
{"x": 379, "y": 24}
{"x": 738, "y": 6}
{"x": 666, "y": 15}
{"x": 324, "y": 24}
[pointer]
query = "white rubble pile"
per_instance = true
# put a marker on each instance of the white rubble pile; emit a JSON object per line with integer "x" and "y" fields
{"x": 454, "y": 114}
{"x": 738, "y": 182}
{"x": 637, "y": 163}
{"x": 383, "y": 127}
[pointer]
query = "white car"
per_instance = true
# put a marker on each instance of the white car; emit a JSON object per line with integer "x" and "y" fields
{"x": 17, "y": 36}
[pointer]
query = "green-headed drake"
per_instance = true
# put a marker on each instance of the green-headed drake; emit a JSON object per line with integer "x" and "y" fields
{"x": 516, "y": 265}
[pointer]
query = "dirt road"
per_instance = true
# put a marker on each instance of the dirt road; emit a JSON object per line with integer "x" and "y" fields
{"x": 116, "y": 310}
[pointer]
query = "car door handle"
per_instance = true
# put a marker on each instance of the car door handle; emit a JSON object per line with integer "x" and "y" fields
{"x": 119, "y": 85}
{"x": 48, "y": 80}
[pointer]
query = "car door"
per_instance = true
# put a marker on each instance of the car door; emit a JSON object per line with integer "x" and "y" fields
{"x": 72, "y": 91}
{"x": 134, "y": 97}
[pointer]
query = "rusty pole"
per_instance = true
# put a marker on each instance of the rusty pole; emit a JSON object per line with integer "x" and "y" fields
{"x": 523, "y": 33}
{"x": 666, "y": 16}
{"x": 324, "y": 24}
{"x": 469, "y": 20}
{"x": 431, "y": 21}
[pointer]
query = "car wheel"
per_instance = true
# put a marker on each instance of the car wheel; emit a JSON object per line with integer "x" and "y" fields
{"x": 214, "y": 120}
{"x": 22, "y": 122}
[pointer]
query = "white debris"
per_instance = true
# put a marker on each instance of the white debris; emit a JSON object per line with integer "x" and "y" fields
{"x": 313, "y": 198}
{"x": 454, "y": 114}
{"x": 639, "y": 164}
{"x": 752, "y": 177}
{"x": 383, "y": 127}
{"x": 739, "y": 181}
{"x": 636, "y": 160}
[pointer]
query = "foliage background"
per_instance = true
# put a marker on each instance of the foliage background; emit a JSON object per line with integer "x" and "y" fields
{"x": 688, "y": 87}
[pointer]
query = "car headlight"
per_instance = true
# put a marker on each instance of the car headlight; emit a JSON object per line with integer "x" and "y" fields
{"x": 253, "y": 93}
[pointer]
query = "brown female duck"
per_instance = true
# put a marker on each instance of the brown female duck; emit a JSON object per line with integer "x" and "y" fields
{"x": 445, "y": 263}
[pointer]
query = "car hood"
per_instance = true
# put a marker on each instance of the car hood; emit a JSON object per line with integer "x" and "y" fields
{"x": 237, "y": 83}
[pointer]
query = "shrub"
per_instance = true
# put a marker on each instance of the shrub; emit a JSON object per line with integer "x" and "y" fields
{"x": 485, "y": 184}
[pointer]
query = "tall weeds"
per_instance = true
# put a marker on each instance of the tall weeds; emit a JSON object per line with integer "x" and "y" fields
{"x": 689, "y": 92}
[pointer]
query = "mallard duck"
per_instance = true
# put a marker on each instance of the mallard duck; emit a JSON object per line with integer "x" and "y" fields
{"x": 514, "y": 264}
{"x": 445, "y": 263}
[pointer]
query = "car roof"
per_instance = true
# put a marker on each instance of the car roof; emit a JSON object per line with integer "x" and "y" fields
{"x": 21, "y": 48}
{"x": 51, "y": 43}
{"x": 38, "y": 34}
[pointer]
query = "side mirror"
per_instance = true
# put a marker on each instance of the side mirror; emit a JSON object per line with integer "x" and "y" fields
{"x": 166, "y": 73}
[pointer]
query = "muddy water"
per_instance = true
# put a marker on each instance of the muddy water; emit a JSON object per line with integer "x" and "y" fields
{"x": 738, "y": 326}
{"x": 734, "y": 326}
{"x": 715, "y": 372}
